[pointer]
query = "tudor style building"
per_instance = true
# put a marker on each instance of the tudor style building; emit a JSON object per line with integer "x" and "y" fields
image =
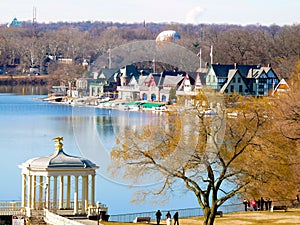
{"x": 243, "y": 79}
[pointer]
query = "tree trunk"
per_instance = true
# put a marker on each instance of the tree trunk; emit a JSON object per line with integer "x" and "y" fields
{"x": 209, "y": 216}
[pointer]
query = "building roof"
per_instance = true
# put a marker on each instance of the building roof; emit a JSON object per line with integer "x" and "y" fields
{"x": 108, "y": 73}
{"x": 59, "y": 160}
{"x": 222, "y": 70}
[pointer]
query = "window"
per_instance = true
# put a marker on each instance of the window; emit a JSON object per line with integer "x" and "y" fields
{"x": 239, "y": 80}
{"x": 231, "y": 88}
{"x": 233, "y": 80}
{"x": 240, "y": 88}
{"x": 145, "y": 96}
{"x": 153, "y": 97}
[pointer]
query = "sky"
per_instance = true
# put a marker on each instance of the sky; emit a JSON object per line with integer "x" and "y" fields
{"x": 241, "y": 12}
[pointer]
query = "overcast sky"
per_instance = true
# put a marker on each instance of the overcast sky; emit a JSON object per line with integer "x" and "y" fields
{"x": 243, "y": 12}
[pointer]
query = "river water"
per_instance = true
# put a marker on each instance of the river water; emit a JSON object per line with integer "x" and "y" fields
{"x": 27, "y": 125}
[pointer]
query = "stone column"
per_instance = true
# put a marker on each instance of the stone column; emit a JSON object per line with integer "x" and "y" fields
{"x": 24, "y": 188}
{"x": 83, "y": 197}
{"x": 33, "y": 197}
{"x": 29, "y": 201}
{"x": 68, "y": 192}
{"x": 93, "y": 190}
{"x": 41, "y": 179}
{"x": 86, "y": 195}
{"x": 61, "y": 193}
{"x": 55, "y": 193}
{"x": 48, "y": 186}
{"x": 76, "y": 196}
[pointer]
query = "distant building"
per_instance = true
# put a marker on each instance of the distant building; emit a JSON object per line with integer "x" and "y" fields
{"x": 14, "y": 23}
{"x": 242, "y": 79}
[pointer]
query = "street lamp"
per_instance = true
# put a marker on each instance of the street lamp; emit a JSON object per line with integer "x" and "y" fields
{"x": 98, "y": 205}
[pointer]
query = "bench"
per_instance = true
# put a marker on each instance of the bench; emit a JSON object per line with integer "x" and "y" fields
{"x": 279, "y": 207}
{"x": 142, "y": 219}
{"x": 219, "y": 213}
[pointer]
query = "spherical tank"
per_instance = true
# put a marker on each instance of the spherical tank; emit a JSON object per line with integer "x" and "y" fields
{"x": 168, "y": 35}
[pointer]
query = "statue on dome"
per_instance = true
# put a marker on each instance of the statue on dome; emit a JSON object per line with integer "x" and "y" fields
{"x": 59, "y": 143}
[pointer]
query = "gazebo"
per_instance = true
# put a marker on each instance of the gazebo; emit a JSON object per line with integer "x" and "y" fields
{"x": 40, "y": 178}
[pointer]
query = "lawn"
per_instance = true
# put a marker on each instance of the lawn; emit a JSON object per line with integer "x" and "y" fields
{"x": 292, "y": 216}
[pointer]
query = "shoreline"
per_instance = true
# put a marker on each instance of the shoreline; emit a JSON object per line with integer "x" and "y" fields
{"x": 117, "y": 104}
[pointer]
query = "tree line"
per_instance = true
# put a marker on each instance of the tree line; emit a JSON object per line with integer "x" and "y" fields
{"x": 37, "y": 45}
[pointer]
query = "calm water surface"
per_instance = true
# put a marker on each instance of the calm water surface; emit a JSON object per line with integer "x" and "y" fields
{"x": 28, "y": 124}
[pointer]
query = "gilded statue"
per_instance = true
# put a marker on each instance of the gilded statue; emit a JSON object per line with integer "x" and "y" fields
{"x": 59, "y": 143}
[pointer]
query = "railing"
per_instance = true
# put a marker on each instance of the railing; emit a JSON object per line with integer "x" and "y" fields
{"x": 11, "y": 208}
{"x": 184, "y": 213}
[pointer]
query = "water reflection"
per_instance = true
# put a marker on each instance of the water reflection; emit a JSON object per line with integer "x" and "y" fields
{"x": 24, "y": 90}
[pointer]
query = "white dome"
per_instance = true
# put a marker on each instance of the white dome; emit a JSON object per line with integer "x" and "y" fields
{"x": 168, "y": 35}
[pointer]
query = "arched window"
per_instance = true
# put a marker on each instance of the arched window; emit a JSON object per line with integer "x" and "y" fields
{"x": 153, "y": 97}
{"x": 144, "y": 96}
{"x": 163, "y": 98}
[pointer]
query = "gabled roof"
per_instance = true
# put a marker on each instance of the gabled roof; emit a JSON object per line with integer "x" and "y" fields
{"x": 281, "y": 87}
{"x": 129, "y": 71}
{"x": 158, "y": 79}
{"x": 173, "y": 73}
{"x": 231, "y": 74}
{"x": 142, "y": 79}
{"x": 172, "y": 81}
{"x": 108, "y": 73}
{"x": 222, "y": 70}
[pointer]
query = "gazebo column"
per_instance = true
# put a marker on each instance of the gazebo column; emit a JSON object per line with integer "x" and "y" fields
{"x": 48, "y": 186}
{"x": 55, "y": 192}
{"x": 76, "y": 196}
{"x": 68, "y": 192}
{"x": 29, "y": 201}
{"x": 61, "y": 193}
{"x": 41, "y": 179}
{"x": 84, "y": 195}
{"x": 93, "y": 190}
{"x": 24, "y": 188}
{"x": 33, "y": 195}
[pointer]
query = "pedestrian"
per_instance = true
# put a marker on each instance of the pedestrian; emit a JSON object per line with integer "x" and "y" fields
{"x": 270, "y": 204}
{"x": 253, "y": 203}
{"x": 262, "y": 202}
{"x": 168, "y": 217}
{"x": 267, "y": 204}
{"x": 245, "y": 202}
{"x": 258, "y": 204}
{"x": 176, "y": 218}
{"x": 158, "y": 217}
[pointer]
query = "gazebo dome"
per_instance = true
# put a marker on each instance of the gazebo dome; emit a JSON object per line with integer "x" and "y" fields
{"x": 59, "y": 160}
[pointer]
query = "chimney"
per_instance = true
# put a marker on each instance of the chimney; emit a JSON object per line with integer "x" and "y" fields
{"x": 235, "y": 65}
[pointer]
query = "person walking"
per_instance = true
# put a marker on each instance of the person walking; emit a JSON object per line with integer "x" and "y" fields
{"x": 245, "y": 202}
{"x": 176, "y": 218}
{"x": 168, "y": 217}
{"x": 158, "y": 217}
